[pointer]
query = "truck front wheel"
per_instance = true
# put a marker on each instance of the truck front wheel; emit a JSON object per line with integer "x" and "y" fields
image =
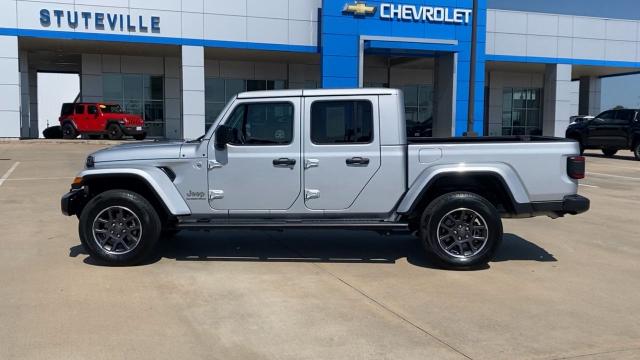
{"x": 461, "y": 230}
{"x": 114, "y": 132}
{"x": 119, "y": 227}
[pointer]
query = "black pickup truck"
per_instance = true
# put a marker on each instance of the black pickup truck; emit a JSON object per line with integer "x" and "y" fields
{"x": 610, "y": 131}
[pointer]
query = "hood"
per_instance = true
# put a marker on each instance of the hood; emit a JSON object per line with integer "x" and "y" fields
{"x": 146, "y": 150}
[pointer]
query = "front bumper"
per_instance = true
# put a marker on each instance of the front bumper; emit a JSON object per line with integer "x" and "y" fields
{"x": 133, "y": 130}
{"x": 73, "y": 201}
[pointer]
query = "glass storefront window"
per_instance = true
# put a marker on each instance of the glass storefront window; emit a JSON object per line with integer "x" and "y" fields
{"x": 139, "y": 94}
{"x": 219, "y": 91}
{"x": 521, "y": 111}
{"x": 418, "y": 108}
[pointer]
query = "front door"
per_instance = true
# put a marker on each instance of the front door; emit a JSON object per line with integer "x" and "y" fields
{"x": 260, "y": 168}
{"x": 341, "y": 149}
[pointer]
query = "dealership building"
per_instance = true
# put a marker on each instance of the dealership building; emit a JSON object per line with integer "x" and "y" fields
{"x": 177, "y": 62}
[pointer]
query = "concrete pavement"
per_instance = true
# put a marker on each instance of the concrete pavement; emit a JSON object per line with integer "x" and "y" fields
{"x": 564, "y": 288}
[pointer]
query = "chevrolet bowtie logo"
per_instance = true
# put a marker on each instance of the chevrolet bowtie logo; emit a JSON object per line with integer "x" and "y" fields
{"x": 359, "y": 9}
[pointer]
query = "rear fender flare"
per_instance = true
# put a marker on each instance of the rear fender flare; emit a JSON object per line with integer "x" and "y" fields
{"x": 425, "y": 180}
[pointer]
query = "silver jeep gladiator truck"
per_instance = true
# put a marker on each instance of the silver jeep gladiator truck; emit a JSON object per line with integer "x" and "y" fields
{"x": 323, "y": 159}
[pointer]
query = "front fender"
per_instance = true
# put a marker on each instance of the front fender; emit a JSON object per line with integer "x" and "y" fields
{"x": 154, "y": 177}
{"x": 422, "y": 183}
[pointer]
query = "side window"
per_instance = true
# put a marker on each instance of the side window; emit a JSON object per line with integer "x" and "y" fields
{"x": 67, "y": 109}
{"x": 79, "y": 109}
{"x": 262, "y": 124}
{"x": 341, "y": 122}
{"x": 92, "y": 109}
{"x": 625, "y": 117}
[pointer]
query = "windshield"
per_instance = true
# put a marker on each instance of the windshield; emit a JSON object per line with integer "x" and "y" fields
{"x": 111, "y": 109}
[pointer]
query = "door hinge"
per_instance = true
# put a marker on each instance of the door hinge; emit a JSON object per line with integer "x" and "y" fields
{"x": 212, "y": 164}
{"x": 309, "y": 163}
{"x": 216, "y": 194}
{"x": 311, "y": 194}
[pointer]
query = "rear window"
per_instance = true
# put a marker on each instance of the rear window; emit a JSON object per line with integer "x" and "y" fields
{"x": 67, "y": 109}
{"x": 79, "y": 109}
{"x": 341, "y": 122}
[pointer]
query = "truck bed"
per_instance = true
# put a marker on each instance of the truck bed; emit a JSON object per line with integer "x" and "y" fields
{"x": 484, "y": 139}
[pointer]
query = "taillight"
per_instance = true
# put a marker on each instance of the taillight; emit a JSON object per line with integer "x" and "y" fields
{"x": 576, "y": 167}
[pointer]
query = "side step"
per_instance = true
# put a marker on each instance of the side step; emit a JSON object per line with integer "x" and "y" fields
{"x": 279, "y": 225}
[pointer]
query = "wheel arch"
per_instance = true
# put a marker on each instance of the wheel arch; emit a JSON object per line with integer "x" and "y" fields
{"x": 151, "y": 183}
{"x": 499, "y": 186}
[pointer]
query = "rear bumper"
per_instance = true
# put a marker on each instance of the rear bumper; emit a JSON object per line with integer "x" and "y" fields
{"x": 73, "y": 202}
{"x": 570, "y": 204}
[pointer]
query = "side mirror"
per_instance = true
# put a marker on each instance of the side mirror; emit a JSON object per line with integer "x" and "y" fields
{"x": 223, "y": 136}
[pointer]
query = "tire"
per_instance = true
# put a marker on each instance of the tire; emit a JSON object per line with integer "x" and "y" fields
{"x": 140, "y": 136}
{"x": 636, "y": 150}
{"x": 609, "y": 152}
{"x": 114, "y": 132}
{"x": 455, "y": 215}
{"x": 140, "y": 229}
{"x": 69, "y": 131}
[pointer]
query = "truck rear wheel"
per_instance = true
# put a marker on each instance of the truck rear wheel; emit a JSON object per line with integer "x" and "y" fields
{"x": 461, "y": 230}
{"x": 119, "y": 227}
{"x": 636, "y": 150}
{"x": 68, "y": 131}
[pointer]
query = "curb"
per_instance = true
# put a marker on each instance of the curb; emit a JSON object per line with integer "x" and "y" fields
{"x": 62, "y": 141}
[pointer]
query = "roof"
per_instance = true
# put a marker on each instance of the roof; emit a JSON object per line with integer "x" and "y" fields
{"x": 317, "y": 92}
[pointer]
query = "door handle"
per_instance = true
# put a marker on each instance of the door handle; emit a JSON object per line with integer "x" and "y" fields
{"x": 357, "y": 160}
{"x": 284, "y": 162}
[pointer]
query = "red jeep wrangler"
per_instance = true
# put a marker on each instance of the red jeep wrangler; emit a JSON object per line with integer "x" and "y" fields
{"x": 99, "y": 119}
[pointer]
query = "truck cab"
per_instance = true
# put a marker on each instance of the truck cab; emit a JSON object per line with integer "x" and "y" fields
{"x": 323, "y": 159}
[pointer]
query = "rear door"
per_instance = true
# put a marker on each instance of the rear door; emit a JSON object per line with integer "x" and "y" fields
{"x": 341, "y": 149}
{"x": 79, "y": 117}
{"x": 621, "y": 126}
{"x": 599, "y": 129}
{"x": 260, "y": 168}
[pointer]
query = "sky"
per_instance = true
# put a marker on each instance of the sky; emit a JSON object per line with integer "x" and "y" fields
{"x": 621, "y": 90}
{"x": 53, "y": 90}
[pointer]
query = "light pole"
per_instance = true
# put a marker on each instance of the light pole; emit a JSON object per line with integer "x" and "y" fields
{"x": 472, "y": 71}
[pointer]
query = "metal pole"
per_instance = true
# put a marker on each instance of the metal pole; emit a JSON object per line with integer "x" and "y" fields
{"x": 472, "y": 71}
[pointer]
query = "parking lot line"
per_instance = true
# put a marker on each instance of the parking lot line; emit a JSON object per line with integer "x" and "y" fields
{"x": 8, "y": 173}
{"x": 587, "y": 185}
{"x": 614, "y": 176}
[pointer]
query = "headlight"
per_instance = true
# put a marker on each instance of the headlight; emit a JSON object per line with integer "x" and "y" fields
{"x": 90, "y": 162}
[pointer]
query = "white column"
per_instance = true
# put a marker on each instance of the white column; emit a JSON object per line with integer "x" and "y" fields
{"x": 589, "y": 103}
{"x": 557, "y": 99}
{"x": 444, "y": 112}
{"x": 10, "y": 93}
{"x": 192, "y": 91}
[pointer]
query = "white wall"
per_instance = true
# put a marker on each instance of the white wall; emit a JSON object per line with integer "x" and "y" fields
{"x": 287, "y": 22}
{"x": 10, "y": 88}
{"x": 562, "y": 36}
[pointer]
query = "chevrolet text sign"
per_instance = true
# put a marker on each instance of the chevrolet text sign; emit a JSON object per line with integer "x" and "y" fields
{"x": 434, "y": 14}
{"x": 425, "y": 13}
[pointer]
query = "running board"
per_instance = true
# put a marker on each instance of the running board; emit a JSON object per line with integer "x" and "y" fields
{"x": 280, "y": 225}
